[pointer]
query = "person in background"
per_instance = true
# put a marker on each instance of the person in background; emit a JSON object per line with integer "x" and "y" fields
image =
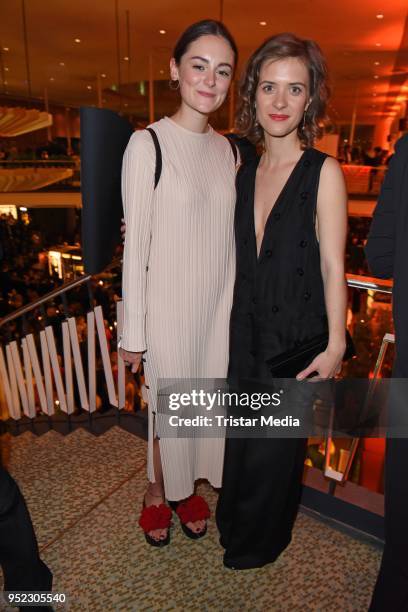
{"x": 355, "y": 155}
{"x": 375, "y": 162}
{"x": 387, "y": 255}
{"x": 346, "y": 154}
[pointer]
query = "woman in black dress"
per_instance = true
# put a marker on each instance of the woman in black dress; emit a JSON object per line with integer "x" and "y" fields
{"x": 290, "y": 229}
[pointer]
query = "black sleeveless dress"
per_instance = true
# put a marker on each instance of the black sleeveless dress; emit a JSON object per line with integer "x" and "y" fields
{"x": 278, "y": 304}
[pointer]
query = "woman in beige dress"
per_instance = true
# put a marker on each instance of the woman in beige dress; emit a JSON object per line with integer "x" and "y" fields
{"x": 179, "y": 267}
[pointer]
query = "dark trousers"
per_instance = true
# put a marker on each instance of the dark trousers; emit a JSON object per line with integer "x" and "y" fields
{"x": 391, "y": 589}
{"x": 259, "y": 498}
{"x": 19, "y": 557}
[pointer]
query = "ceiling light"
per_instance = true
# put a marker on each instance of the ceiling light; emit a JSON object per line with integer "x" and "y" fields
{"x": 6, "y": 69}
{"x": 380, "y": 16}
{"x": 376, "y": 63}
{"x": 89, "y": 86}
{"x": 378, "y": 44}
{"x": 376, "y": 76}
{"x": 6, "y": 83}
{"x": 6, "y": 48}
{"x": 62, "y": 63}
{"x": 23, "y": 209}
{"x": 262, "y": 23}
{"x": 126, "y": 58}
{"x": 103, "y": 75}
{"x": 52, "y": 79}
{"x": 161, "y": 71}
{"x": 162, "y": 31}
{"x": 374, "y": 94}
{"x": 77, "y": 40}
{"x": 126, "y": 104}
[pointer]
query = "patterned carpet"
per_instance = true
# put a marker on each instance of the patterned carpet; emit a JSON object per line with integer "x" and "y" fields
{"x": 84, "y": 494}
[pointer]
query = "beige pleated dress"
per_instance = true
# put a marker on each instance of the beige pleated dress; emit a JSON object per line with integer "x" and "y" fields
{"x": 178, "y": 278}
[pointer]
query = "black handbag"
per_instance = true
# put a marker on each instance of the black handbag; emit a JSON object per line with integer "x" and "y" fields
{"x": 290, "y": 363}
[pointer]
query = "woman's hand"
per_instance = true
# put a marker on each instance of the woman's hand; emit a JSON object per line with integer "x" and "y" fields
{"x": 327, "y": 365}
{"x": 123, "y": 230}
{"x": 132, "y": 359}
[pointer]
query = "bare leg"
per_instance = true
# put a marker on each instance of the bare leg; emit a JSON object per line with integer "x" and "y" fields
{"x": 154, "y": 495}
{"x": 157, "y": 465}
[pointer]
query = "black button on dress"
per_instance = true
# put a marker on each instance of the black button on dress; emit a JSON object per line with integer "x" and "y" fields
{"x": 280, "y": 306}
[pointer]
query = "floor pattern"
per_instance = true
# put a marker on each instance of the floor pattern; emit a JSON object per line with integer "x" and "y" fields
{"x": 84, "y": 494}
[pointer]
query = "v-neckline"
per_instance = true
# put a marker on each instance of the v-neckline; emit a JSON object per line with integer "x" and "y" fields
{"x": 273, "y": 209}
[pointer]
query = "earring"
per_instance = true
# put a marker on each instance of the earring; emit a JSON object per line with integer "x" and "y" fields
{"x": 174, "y": 84}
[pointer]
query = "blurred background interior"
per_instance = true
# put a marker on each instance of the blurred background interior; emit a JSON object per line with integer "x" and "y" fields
{"x": 56, "y": 57}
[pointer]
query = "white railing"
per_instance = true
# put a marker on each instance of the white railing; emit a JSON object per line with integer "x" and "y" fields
{"x": 21, "y": 371}
{"x": 32, "y": 386}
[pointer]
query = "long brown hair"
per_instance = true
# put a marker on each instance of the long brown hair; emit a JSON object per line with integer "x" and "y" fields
{"x": 282, "y": 46}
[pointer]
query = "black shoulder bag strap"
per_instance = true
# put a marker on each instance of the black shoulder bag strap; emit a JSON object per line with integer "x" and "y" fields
{"x": 159, "y": 161}
{"x": 234, "y": 148}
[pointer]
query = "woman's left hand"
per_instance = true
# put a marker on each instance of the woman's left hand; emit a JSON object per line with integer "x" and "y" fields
{"x": 327, "y": 365}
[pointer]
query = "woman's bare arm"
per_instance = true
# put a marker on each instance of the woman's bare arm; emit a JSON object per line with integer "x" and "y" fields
{"x": 331, "y": 228}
